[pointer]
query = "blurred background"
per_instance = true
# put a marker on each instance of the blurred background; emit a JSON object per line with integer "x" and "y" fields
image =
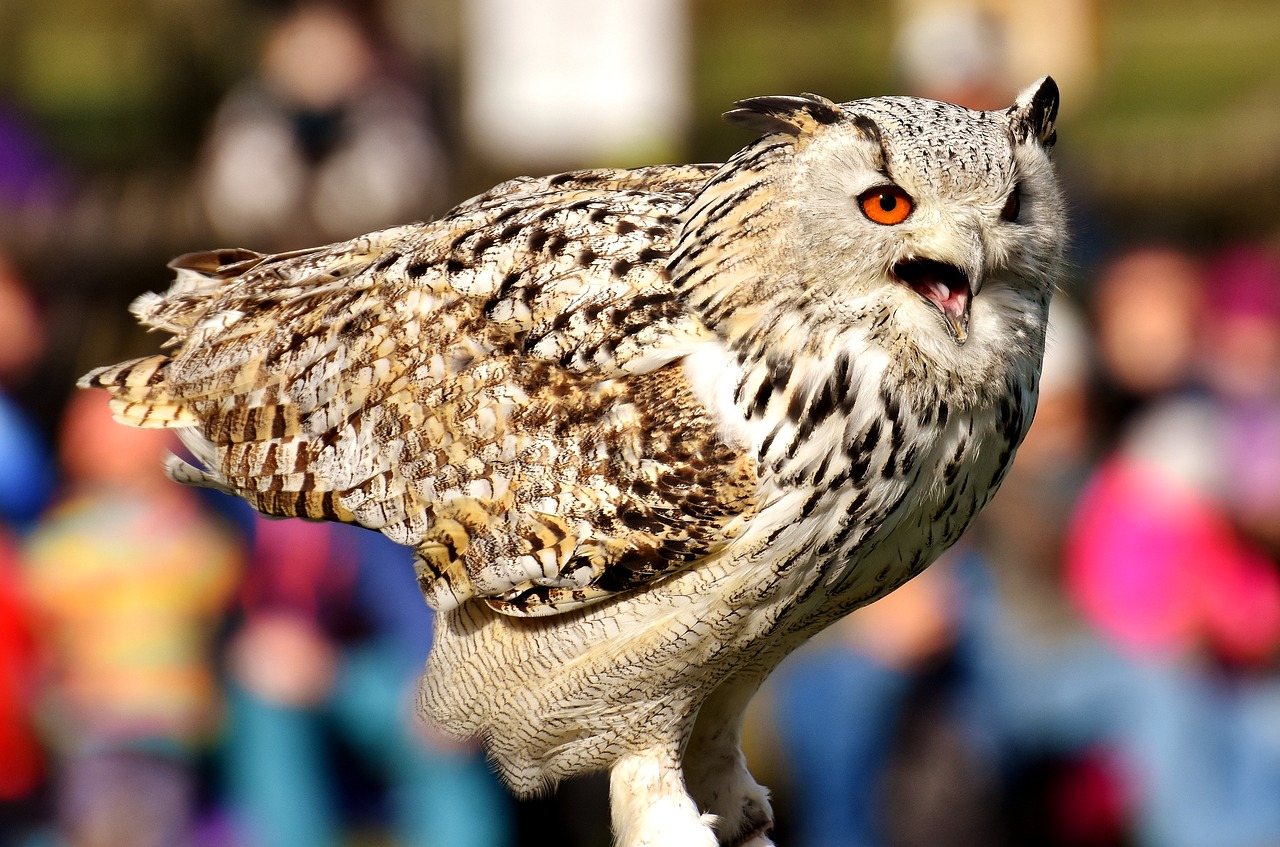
{"x": 1095, "y": 664}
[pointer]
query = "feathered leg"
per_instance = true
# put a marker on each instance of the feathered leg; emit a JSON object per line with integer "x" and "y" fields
{"x": 650, "y": 807}
{"x": 716, "y": 769}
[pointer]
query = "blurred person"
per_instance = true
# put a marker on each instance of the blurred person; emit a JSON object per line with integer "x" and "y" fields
{"x": 1042, "y": 696}
{"x": 334, "y": 636}
{"x": 1154, "y": 559}
{"x": 26, "y": 468}
{"x": 1146, "y": 307}
{"x": 1106, "y": 605}
{"x": 1027, "y": 677}
{"x": 27, "y": 479}
{"x": 22, "y": 761}
{"x": 841, "y": 707}
{"x": 1200, "y": 365}
{"x": 1158, "y": 566}
{"x": 1158, "y": 561}
{"x": 1240, "y": 366}
{"x": 128, "y": 577}
{"x": 323, "y": 142}
{"x": 1192, "y": 610}
{"x": 974, "y": 52}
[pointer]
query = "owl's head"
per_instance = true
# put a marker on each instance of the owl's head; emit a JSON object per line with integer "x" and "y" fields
{"x": 891, "y": 218}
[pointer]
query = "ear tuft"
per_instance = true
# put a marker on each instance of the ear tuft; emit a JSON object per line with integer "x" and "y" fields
{"x": 784, "y": 114}
{"x": 1032, "y": 116}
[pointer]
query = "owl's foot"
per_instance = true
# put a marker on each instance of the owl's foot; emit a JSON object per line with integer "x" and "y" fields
{"x": 757, "y": 839}
{"x": 716, "y": 771}
{"x": 650, "y": 807}
{"x": 743, "y": 814}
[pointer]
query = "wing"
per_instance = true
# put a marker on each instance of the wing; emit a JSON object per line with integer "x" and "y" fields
{"x": 500, "y": 389}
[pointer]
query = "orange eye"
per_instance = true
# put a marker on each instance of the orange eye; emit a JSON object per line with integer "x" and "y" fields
{"x": 886, "y": 205}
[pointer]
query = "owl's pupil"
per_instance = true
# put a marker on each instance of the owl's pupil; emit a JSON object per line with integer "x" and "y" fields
{"x": 888, "y": 202}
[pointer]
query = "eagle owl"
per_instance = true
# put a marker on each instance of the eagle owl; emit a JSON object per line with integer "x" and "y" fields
{"x": 646, "y": 430}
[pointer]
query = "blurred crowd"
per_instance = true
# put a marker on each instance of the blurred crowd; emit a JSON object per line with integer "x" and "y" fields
{"x": 1096, "y": 664}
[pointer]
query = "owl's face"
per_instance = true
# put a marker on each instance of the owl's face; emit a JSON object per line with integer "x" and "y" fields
{"x": 906, "y": 218}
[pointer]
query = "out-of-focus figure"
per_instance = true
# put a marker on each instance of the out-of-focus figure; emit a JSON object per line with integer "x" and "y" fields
{"x": 1241, "y": 367}
{"x": 974, "y": 51}
{"x": 1155, "y": 561}
{"x": 1037, "y": 687}
{"x": 955, "y": 52}
{"x": 1149, "y": 541}
{"x": 1147, "y": 304}
{"x": 326, "y": 659}
{"x": 1161, "y": 559}
{"x": 26, "y": 469}
{"x": 129, "y": 578}
{"x": 20, "y": 751}
{"x": 325, "y": 141}
{"x": 843, "y": 707}
{"x": 26, "y": 484}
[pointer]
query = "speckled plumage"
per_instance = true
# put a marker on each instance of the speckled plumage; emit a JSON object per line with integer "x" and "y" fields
{"x": 646, "y": 430}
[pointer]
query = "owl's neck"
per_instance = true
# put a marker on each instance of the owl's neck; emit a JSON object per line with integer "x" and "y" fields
{"x": 795, "y": 410}
{"x": 825, "y": 413}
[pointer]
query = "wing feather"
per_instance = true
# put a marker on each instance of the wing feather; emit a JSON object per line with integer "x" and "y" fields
{"x": 499, "y": 389}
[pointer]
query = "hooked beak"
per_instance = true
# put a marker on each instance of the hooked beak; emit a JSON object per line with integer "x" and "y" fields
{"x": 943, "y": 285}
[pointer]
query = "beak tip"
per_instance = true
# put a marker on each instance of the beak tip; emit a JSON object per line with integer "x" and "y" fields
{"x": 959, "y": 326}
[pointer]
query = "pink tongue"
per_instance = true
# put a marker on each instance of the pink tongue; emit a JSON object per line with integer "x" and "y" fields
{"x": 938, "y": 292}
{"x": 951, "y": 302}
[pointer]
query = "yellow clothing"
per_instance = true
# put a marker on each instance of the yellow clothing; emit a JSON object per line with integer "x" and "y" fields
{"x": 129, "y": 591}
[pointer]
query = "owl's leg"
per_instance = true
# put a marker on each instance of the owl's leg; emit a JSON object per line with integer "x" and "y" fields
{"x": 649, "y": 805}
{"x": 716, "y": 769}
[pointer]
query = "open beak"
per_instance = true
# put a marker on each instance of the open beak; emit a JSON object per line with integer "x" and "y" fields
{"x": 943, "y": 285}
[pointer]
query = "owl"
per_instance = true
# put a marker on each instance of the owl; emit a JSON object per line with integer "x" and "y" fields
{"x": 645, "y": 430}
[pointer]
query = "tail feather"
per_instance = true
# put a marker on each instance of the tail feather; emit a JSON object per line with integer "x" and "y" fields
{"x": 139, "y": 397}
{"x": 180, "y": 470}
{"x": 126, "y": 376}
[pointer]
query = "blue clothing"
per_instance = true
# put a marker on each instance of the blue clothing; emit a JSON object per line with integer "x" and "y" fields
{"x": 837, "y": 712}
{"x": 1200, "y": 751}
{"x": 282, "y": 783}
{"x": 27, "y": 474}
{"x": 1202, "y": 755}
{"x": 278, "y": 759}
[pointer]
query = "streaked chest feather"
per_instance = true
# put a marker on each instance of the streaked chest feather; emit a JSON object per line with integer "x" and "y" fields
{"x": 868, "y": 467}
